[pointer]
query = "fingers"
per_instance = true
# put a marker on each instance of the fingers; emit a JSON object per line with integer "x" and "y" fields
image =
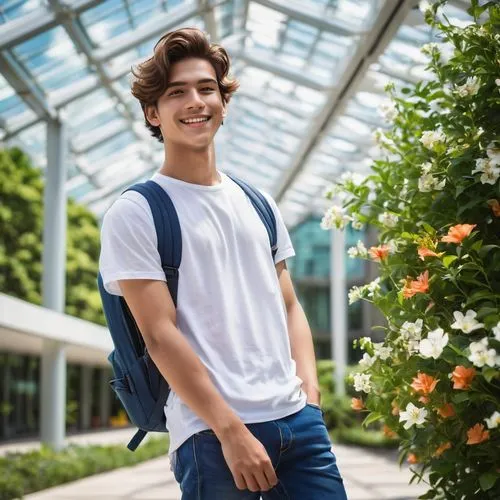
{"x": 261, "y": 479}
{"x": 251, "y": 482}
{"x": 270, "y": 474}
{"x": 265, "y": 483}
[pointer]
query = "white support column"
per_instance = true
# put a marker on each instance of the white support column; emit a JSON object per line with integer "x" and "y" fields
{"x": 338, "y": 308}
{"x": 53, "y": 384}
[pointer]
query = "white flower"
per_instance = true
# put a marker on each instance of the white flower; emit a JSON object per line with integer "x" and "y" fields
{"x": 497, "y": 81}
{"x": 353, "y": 177}
{"x": 355, "y": 294}
{"x": 358, "y": 251}
{"x": 480, "y": 355}
{"x": 436, "y": 106}
{"x": 367, "y": 361}
{"x": 357, "y": 224}
{"x": 426, "y": 167}
{"x": 429, "y": 48}
{"x": 490, "y": 173}
{"x": 388, "y": 111}
{"x": 373, "y": 287}
{"x": 428, "y": 183}
{"x": 412, "y": 331}
{"x": 494, "y": 421}
{"x": 388, "y": 219}
{"x": 496, "y": 331}
{"x": 412, "y": 416}
{"x": 335, "y": 217}
{"x": 466, "y": 323}
{"x": 362, "y": 382}
{"x": 424, "y": 6}
{"x": 352, "y": 252}
{"x": 493, "y": 152}
{"x": 433, "y": 345}
{"x": 470, "y": 87}
{"x": 382, "y": 352}
{"x": 432, "y": 137}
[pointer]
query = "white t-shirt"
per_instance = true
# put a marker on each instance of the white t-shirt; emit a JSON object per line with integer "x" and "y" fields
{"x": 229, "y": 302}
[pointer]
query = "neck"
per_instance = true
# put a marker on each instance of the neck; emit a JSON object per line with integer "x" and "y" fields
{"x": 193, "y": 166}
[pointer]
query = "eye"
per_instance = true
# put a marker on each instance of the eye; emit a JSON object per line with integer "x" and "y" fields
{"x": 175, "y": 92}
{"x": 209, "y": 89}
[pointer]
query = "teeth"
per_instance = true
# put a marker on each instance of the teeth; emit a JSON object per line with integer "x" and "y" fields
{"x": 195, "y": 120}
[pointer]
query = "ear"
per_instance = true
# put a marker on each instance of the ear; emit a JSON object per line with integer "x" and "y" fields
{"x": 224, "y": 110}
{"x": 151, "y": 114}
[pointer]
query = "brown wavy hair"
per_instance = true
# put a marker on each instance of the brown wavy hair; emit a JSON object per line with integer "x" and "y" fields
{"x": 151, "y": 76}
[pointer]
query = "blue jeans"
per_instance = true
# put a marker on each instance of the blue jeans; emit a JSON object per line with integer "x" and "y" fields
{"x": 299, "y": 448}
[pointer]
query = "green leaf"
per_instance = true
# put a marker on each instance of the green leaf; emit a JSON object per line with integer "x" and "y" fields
{"x": 487, "y": 480}
{"x": 487, "y": 248}
{"x": 490, "y": 373}
{"x": 460, "y": 397}
{"x": 484, "y": 311}
{"x": 479, "y": 295}
{"x": 428, "y": 228}
{"x": 373, "y": 417}
{"x": 477, "y": 245}
{"x": 448, "y": 260}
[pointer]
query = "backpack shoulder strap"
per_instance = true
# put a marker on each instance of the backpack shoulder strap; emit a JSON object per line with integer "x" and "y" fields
{"x": 168, "y": 231}
{"x": 263, "y": 208}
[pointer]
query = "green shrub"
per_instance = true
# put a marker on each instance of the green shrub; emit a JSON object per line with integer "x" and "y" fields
{"x": 434, "y": 195}
{"x": 23, "y": 473}
{"x": 362, "y": 437}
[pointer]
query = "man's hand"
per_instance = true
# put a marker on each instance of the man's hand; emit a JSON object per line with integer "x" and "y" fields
{"x": 313, "y": 394}
{"x": 248, "y": 461}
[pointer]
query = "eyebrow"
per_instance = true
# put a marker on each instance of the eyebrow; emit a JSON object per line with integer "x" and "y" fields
{"x": 180, "y": 84}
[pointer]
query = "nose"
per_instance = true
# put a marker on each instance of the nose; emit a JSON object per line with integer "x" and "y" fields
{"x": 194, "y": 101}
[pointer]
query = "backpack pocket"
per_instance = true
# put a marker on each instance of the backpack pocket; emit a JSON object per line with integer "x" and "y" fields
{"x": 134, "y": 393}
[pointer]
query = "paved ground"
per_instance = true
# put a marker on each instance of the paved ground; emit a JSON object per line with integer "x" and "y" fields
{"x": 367, "y": 475}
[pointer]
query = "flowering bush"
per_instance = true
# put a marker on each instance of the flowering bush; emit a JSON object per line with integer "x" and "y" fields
{"x": 434, "y": 197}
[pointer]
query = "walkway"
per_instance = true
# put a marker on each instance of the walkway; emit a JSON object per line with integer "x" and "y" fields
{"x": 368, "y": 475}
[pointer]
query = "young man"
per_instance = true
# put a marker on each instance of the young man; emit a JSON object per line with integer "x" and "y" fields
{"x": 243, "y": 414}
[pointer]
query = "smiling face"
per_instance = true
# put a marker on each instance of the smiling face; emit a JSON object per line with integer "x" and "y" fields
{"x": 191, "y": 109}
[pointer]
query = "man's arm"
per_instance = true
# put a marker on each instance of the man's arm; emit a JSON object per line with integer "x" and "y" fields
{"x": 300, "y": 336}
{"x": 155, "y": 314}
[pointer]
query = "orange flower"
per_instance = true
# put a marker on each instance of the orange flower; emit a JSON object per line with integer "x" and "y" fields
{"x": 395, "y": 408}
{"x": 357, "y": 404}
{"x": 495, "y": 207}
{"x": 424, "y": 383}
{"x": 477, "y": 434}
{"x": 446, "y": 410}
{"x": 457, "y": 233}
{"x": 379, "y": 253}
{"x": 412, "y": 458}
{"x": 420, "y": 285}
{"x": 425, "y": 252}
{"x": 424, "y": 399}
{"x": 388, "y": 432}
{"x": 441, "y": 449}
{"x": 462, "y": 377}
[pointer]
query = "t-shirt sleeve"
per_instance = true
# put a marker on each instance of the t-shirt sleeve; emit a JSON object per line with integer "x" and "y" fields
{"x": 284, "y": 243}
{"x": 129, "y": 244}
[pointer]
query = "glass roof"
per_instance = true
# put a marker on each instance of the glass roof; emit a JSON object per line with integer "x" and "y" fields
{"x": 312, "y": 75}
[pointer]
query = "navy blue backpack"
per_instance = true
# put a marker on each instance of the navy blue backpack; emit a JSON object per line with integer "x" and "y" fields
{"x": 137, "y": 381}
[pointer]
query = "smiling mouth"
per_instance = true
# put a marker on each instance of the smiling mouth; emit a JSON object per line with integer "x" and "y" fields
{"x": 196, "y": 122}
